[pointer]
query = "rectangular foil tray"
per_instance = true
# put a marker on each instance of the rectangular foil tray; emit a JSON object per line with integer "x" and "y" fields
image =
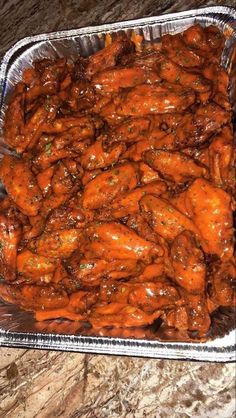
{"x": 18, "y": 328}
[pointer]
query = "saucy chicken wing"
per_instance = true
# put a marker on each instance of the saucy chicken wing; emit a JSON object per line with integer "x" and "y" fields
{"x": 159, "y": 98}
{"x": 107, "y": 185}
{"x": 10, "y": 236}
{"x": 90, "y": 272}
{"x": 164, "y": 218}
{"x": 189, "y": 270}
{"x": 120, "y": 315}
{"x": 210, "y": 209}
{"x": 113, "y": 240}
{"x": 21, "y": 184}
{"x": 164, "y": 161}
{"x": 57, "y": 243}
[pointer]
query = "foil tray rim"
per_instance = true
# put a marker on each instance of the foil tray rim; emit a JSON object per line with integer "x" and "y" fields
{"x": 115, "y": 345}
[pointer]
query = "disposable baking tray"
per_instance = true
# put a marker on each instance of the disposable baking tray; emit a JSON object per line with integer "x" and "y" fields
{"x": 18, "y": 328}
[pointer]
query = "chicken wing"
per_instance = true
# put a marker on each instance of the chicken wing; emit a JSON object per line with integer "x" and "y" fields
{"x": 129, "y": 204}
{"x": 61, "y": 181}
{"x": 172, "y": 73}
{"x": 189, "y": 271}
{"x": 116, "y": 241}
{"x": 65, "y": 217}
{"x": 210, "y": 209}
{"x": 176, "y": 50}
{"x": 57, "y": 244}
{"x": 109, "y": 56}
{"x": 148, "y": 296}
{"x": 106, "y": 186}
{"x": 159, "y": 98}
{"x": 90, "y": 272}
{"x": 109, "y": 81}
{"x": 21, "y": 184}
{"x": 10, "y": 236}
{"x": 34, "y": 266}
{"x": 164, "y": 218}
{"x": 96, "y": 156}
{"x": 164, "y": 161}
{"x": 206, "y": 121}
{"x": 223, "y": 280}
{"x": 221, "y": 159}
{"x": 14, "y": 122}
{"x": 120, "y": 315}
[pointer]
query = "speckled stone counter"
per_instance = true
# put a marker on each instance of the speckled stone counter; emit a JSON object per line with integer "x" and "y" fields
{"x": 36, "y": 383}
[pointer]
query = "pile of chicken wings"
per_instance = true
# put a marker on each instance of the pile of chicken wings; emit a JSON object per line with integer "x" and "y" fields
{"x": 119, "y": 190}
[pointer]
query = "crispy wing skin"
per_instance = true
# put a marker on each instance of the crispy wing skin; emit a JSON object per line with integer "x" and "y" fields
{"x": 177, "y": 318}
{"x": 156, "y": 139}
{"x": 164, "y": 218}
{"x": 52, "y": 202}
{"x": 185, "y": 168}
{"x": 179, "y": 201}
{"x": 10, "y": 235}
{"x": 220, "y": 80}
{"x": 198, "y": 316}
{"x": 195, "y": 37}
{"x": 152, "y": 272}
{"x": 42, "y": 315}
{"x": 107, "y": 185}
{"x": 135, "y": 151}
{"x": 57, "y": 244}
{"x": 113, "y": 240}
{"x": 46, "y": 78}
{"x": 79, "y": 302}
{"x": 210, "y": 209}
{"x": 158, "y": 99}
{"x": 21, "y": 184}
{"x": 36, "y": 227}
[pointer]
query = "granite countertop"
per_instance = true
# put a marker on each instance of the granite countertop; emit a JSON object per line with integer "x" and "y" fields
{"x": 46, "y": 384}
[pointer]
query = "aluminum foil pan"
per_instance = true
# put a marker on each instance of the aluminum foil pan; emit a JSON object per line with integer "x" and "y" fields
{"x": 18, "y": 328}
